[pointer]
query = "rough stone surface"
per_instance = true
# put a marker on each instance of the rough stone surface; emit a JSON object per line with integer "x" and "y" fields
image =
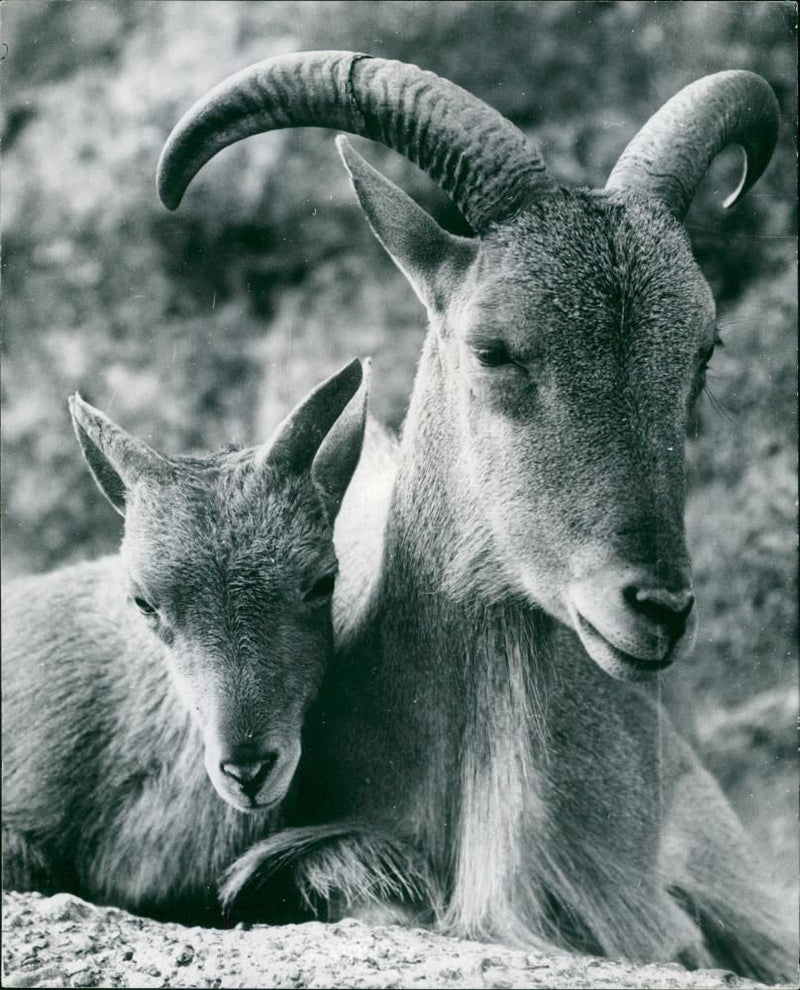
{"x": 62, "y": 941}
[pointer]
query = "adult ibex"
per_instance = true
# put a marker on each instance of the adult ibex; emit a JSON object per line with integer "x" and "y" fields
{"x": 208, "y": 633}
{"x": 466, "y": 755}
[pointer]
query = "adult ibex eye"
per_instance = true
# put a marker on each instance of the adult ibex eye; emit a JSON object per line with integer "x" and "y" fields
{"x": 321, "y": 590}
{"x": 494, "y": 356}
{"x": 705, "y": 357}
{"x": 708, "y": 352}
{"x": 144, "y": 606}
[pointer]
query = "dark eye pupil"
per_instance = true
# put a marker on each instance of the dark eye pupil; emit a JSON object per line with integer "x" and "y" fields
{"x": 705, "y": 358}
{"x": 708, "y": 353}
{"x": 493, "y": 357}
{"x": 144, "y": 606}
{"x": 322, "y": 588}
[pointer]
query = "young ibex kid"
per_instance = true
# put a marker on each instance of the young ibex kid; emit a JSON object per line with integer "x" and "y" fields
{"x": 202, "y": 642}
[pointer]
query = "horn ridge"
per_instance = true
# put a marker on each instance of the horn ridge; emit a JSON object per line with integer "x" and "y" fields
{"x": 480, "y": 159}
{"x": 672, "y": 152}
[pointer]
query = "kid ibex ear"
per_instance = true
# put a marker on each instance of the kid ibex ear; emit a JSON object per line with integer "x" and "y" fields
{"x": 338, "y": 455}
{"x": 432, "y": 259}
{"x": 116, "y": 459}
{"x": 298, "y": 438}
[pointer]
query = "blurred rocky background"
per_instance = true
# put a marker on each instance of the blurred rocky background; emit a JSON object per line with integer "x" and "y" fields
{"x": 200, "y": 327}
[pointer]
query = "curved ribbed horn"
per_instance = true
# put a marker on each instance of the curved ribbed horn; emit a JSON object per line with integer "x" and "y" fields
{"x": 481, "y": 160}
{"x": 671, "y": 153}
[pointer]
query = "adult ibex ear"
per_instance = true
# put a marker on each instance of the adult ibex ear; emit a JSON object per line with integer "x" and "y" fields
{"x": 116, "y": 459}
{"x": 311, "y": 437}
{"x": 337, "y": 458}
{"x": 433, "y": 260}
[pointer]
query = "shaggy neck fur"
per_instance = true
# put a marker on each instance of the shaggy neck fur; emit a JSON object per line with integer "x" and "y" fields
{"x": 481, "y": 674}
{"x": 469, "y": 694}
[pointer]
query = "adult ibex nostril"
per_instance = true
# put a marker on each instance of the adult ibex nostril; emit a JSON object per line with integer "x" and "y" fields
{"x": 250, "y": 776}
{"x": 666, "y": 608}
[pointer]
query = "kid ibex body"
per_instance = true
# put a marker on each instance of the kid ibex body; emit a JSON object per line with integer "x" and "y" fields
{"x": 133, "y": 683}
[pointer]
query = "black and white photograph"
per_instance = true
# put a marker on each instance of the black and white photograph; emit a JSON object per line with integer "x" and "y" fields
{"x": 399, "y": 494}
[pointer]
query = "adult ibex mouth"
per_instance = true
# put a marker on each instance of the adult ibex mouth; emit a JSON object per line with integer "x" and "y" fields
{"x": 633, "y": 622}
{"x": 614, "y": 660}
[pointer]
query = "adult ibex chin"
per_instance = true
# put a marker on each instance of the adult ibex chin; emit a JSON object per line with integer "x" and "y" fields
{"x": 208, "y": 634}
{"x": 467, "y": 755}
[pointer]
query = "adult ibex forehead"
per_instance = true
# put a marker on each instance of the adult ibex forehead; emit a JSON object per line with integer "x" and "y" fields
{"x": 569, "y": 337}
{"x": 593, "y": 275}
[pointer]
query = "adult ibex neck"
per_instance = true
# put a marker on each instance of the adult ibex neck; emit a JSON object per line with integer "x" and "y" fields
{"x": 468, "y": 693}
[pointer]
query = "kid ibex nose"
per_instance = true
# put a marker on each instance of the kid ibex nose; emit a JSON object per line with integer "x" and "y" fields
{"x": 251, "y": 775}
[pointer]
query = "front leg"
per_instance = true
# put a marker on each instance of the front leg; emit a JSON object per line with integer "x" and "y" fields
{"x": 377, "y": 913}
{"x": 26, "y": 864}
{"x": 714, "y": 873}
{"x": 335, "y": 871}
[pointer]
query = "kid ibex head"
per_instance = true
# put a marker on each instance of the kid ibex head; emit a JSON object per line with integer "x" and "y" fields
{"x": 569, "y": 338}
{"x": 229, "y": 559}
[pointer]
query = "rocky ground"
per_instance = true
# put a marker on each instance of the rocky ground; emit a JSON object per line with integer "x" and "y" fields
{"x": 62, "y": 941}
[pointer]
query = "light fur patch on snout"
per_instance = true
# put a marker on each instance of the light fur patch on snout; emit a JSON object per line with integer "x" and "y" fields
{"x": 274, "y": 787}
